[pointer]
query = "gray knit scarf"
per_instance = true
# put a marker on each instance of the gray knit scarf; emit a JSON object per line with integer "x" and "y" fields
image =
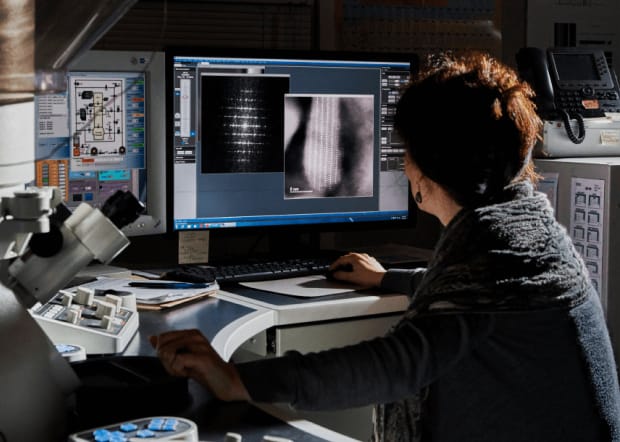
{"x": 510, "y": 255}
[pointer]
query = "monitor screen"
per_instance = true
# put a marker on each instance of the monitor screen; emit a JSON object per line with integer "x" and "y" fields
{"x": 576, "y": 67}
{"x": 106, "y": 133}
{"x": 284, "y": 139}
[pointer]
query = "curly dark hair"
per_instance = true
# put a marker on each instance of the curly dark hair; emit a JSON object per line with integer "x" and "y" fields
{"x": 470, "y": 124}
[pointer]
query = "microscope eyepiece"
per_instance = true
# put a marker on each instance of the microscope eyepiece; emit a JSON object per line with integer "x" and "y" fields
{"x": 49, "y": 243}
{"x": 122, "y": 208}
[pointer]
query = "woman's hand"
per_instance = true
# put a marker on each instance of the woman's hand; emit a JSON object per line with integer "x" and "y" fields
{"x": 358, "y": 268}
{"x": 188, "y": 353}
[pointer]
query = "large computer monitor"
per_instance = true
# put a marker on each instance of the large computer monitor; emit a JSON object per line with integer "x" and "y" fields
{"x": 261, "y": 139}
{"x": 105, "y": 133}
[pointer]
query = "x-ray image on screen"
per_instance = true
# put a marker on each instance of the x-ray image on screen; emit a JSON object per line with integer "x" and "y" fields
{"x": 329, "y": 143}
{"x": 242, "y": 122}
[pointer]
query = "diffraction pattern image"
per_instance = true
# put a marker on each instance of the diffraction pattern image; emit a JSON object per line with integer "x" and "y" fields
{"x": 242, "y": 123}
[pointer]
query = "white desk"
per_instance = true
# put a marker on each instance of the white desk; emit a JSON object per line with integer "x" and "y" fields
{"x": 273, "y": 310}
{"x": 233, "y": 316}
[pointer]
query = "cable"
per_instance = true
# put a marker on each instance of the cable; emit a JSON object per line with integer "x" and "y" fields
{"x": 577, "y": 139}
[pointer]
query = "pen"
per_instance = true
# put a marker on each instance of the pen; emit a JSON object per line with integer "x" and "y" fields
{"x": 168, "y": 285}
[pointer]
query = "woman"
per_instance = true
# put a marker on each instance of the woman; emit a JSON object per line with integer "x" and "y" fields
{"x": 504, "y": 338}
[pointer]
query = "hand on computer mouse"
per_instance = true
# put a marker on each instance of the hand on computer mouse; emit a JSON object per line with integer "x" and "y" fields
{"x": 358, "y": 268}
{"x": 339, "y": 268}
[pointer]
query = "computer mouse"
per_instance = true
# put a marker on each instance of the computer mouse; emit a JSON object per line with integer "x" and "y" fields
{"x": 185, "y": 275}
{"x": 341, "y": 268}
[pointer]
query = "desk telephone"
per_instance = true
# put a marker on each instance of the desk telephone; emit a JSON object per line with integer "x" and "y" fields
{"x": 570, "y": 83}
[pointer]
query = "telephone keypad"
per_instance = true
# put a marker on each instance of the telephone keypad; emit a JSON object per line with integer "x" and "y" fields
{"x": 571, "y": 100}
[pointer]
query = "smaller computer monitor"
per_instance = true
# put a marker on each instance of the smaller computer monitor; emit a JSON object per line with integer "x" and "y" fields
{"x": 106, "y": 133}
{"x": 281, "y": 139}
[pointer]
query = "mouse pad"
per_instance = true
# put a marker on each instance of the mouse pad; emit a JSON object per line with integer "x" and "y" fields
{"x": 311, "y": 286}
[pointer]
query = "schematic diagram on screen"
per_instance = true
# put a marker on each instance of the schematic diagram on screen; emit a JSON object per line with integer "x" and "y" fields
{"x": 97, "y": 122}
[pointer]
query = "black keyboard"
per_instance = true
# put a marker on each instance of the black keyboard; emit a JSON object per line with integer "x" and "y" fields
{"x": 258, "y": 271}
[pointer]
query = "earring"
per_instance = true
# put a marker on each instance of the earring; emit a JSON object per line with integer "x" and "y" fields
{"x": 418, "y": 197}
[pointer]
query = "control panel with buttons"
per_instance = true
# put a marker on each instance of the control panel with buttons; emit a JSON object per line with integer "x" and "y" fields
{"x": 159, "y": 428}
{"x": 101, "y": 323}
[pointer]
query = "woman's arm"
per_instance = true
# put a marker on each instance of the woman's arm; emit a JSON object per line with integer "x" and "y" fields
{"x": 364, "y": 270}
{"x": 376, "y": 371}
{"x": 402, "y": 280}
{"x": 380, "y": 370}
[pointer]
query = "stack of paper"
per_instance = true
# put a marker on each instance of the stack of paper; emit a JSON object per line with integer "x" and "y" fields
{"x": 154, "y": 295}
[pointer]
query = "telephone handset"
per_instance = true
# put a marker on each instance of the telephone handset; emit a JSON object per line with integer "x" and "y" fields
{"x": 570, "y": 83}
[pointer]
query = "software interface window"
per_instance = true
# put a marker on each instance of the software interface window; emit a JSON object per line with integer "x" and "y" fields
{"x": 90, "y": 140}
{"x": 273, "y": 141}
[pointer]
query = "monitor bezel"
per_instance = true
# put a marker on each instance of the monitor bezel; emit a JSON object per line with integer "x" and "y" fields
{"x": 285, "y": 229}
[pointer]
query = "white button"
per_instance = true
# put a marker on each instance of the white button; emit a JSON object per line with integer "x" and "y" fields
{"x": 269, "y": 438}
{"x": 233, "y": 437}
{"x": 84, "y": 296}
{"x": 74, "y": 314}
{"x": 104, "y": 309}
{"x": 116, "y": 300}
{"x": 67, "y": 298}
{"x": 106, "y": 323}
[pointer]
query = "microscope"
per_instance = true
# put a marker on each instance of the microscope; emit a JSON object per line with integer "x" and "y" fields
{"x": 42, "y": 244}
{"x": 45, "y": 245}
